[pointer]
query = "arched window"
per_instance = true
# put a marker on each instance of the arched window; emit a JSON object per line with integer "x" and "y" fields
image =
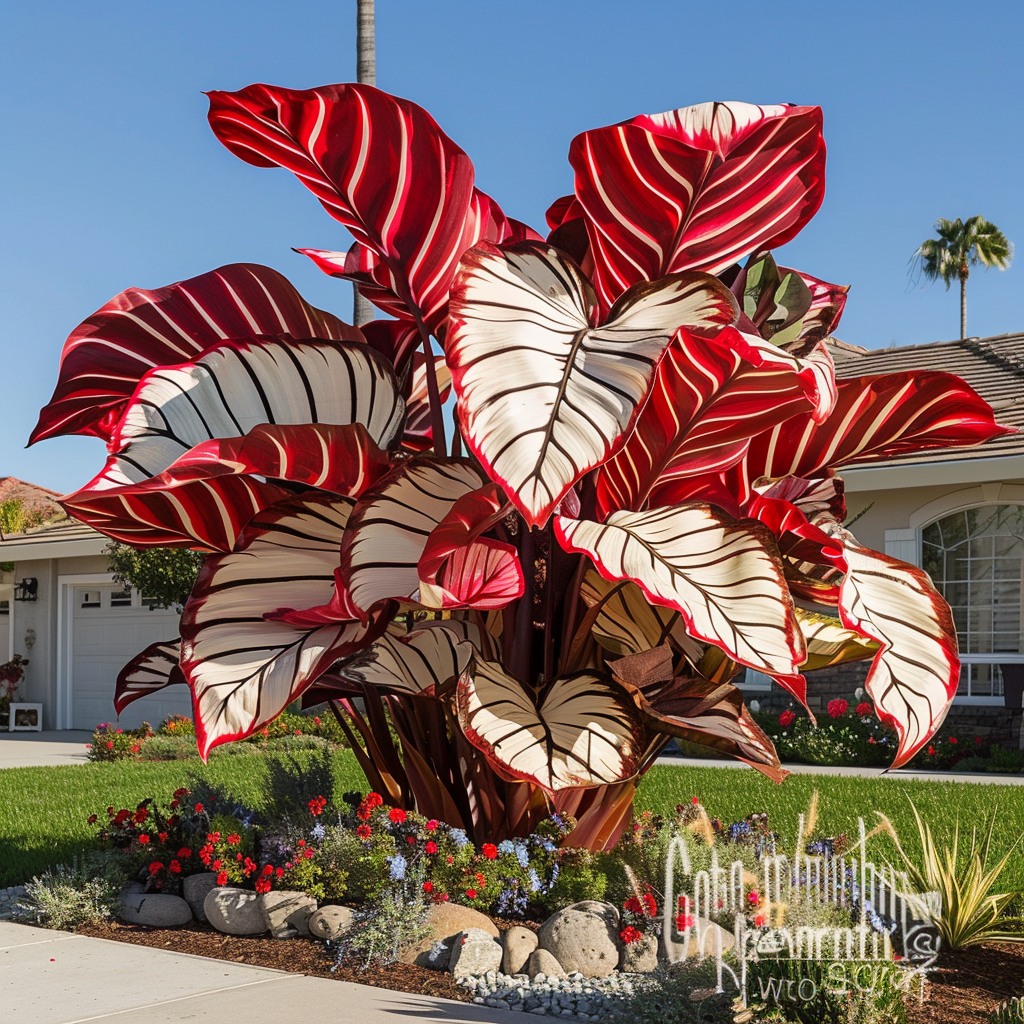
{"x": 976, "y": 559}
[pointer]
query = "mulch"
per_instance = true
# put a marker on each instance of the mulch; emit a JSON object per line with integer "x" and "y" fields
{"x": 965, "y": 989}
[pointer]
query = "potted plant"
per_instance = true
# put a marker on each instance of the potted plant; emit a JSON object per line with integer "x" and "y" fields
{"x": 11, "y": 674}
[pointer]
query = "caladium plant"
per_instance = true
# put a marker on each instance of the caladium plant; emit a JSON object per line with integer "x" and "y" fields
{"x": 514, "y": 609}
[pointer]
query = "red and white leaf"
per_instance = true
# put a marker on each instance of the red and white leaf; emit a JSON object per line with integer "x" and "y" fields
{"x": 205, "y": 498}
{"x": 914, "y": 676}
{"x": 150, "y": 671}
{"x": 585, "y": 733}
{"x": 696, "y": 189}
{"x": 244, "y": 669}
{"x": 390, "y": 528}
{"x": 875, "y": 418}
{"x": 724, "y": 577}
{"x": 708, "y": 398}
{"x": 543, "y": 395}
{"x": 237, "y": 386}
{"x": 138, "y": 330}
{"x": 423, "y": 662}
{"x": 830, "y": 643}
{"x": 712, "y": 715}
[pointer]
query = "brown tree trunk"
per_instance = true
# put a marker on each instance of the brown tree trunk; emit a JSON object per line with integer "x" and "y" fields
{"x": 963, "y": 301}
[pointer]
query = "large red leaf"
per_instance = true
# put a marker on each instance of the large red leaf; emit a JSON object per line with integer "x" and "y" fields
{"x": 150, "y": 671}
{"x": 244, "y": 669}
{"x": 106, "y": 355}
{"x": 708, "y": 398}
{"x": 875, "y": 418}
{"x": 724, "y": 577}
{"x": 544, "y": 394}
{"x": 586, "y": 731}
{"x": 696, "y": 189}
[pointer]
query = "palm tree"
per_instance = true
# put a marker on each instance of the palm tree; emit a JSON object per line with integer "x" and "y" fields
{"x": 960, "y": 246}
{"x": 366, "y": 74}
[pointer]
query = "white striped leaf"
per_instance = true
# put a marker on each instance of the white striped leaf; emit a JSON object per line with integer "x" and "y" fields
{"x": 712, "y": 715}
{"x": 585, "y": 733}
{"x": 243, "y": 668}
{"x": 914, "y": 675}
{"x": 138, "y": 330}
{"x": 544, "y": 395}
{"x": 725, "y": 577}
{"x": 237, "y": 386}
{"x": 390, "y": 528}
{"x": 424, "y": 662}
{"x": 150, "y": 671}
{"x": 627, "y": 623}
{"x": 205, "y": 498}
{"x": 695, "y": 189}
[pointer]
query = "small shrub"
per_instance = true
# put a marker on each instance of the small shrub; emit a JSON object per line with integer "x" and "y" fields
{"x": 164, "y": 747}
{"x": 385, "y": 927}
{"x": 109, "y": 743}
{"x": 1010, "y": 1012}
{"x": 70, "y": 895}
{"x": 1002, "y": 759}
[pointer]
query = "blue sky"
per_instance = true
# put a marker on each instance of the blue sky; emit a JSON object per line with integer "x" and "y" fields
{"x": 111, "y": 177}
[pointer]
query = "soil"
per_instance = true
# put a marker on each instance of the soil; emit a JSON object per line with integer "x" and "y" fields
{"x": 965, "y": 989}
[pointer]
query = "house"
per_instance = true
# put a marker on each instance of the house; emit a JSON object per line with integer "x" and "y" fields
{"x": 78, "y": 628}
{"x": 960, "y": 514}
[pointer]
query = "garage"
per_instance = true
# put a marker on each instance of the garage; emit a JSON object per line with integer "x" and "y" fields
{"x": 108, "y": 627}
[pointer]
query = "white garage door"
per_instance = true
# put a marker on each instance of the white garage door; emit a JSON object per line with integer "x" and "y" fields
{"x": 109, "y": 627}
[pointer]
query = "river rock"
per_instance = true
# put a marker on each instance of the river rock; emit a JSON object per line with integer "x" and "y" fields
{"x": 154, "y": 909}
{"x": 581, "y": 941}
{"x": 195, "y": 889}
{"x": 286, "y": 913}
{"x": 608, "y": 911}
{"x": 330, "y": 922}
{"x": 518, "y": 944}
{"x": 444, "y": 921}
{"x": 234, "y": 911}
{"x": 474, "y": 952}
{"x": 543, "y": 962}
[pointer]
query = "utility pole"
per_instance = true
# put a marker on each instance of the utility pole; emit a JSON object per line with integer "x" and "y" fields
{"x": 366, "y": 74}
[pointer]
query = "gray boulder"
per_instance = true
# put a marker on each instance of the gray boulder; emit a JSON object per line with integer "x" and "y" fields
{"x": 542, "y": 962}
{"x": 154, "y": 909}
{"x": 519, "y": 943}
{"x": 640, "y": 957}
{"x": 444, "y": 921}
{"x": 195, "y": 889}
{"x": 285, "y": 913}
{"x": 330, "y": 922}
{"x": 234, "y": 911}
{"x": 473, "y": 953}
{"x": 608, "y": 911}
{"x": 582, "y": 941}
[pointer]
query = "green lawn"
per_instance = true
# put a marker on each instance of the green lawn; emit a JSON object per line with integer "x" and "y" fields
{"x": 43, "y": 811}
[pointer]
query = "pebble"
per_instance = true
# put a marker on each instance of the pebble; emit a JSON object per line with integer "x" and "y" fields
{"x": 8, "y": 901}
{"x": 543, "y": 995}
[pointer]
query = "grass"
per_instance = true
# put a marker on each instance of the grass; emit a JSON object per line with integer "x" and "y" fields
{"x": 43, "y": 811}
{"x": 733, "y": 793}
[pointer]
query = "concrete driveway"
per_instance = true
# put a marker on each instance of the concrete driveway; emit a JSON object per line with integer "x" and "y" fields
{"x": 34, "y": 749}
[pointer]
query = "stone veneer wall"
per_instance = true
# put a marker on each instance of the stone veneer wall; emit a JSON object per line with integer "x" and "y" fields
{"x": 993, "y": 723}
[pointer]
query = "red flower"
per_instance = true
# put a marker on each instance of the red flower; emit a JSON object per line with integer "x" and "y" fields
{"x": 110, "y": 744}
{"x": 268, "y": 869}
{"x": 471, "y": 894}
{"x": 174, "y": 867}
{"x": 162, "y": 836}
{"x": 316, "y": 721}
{"x": 428, "y": 887}
{"x": 199, "y": 808}
{"x": 363, "y": 831}
{"x": 308, "y": 853}
{"x": 263, "y": 885}
{"x": 279, "y": 872}
{"x": 179, "y": 793}
{"x": 632, "y": 905}
{"x": 174, "y": 805}
{"x": 234, "y": 839}
{"x": 650, "y": 905}
{"x": 449, "y": 859}
{"x": 155, "y": 867}
{"x": 411, "y": 840}
{"x": 213, "y": 837}
{"x": 695, "y": 800}
{"x": 397, "y": 815}
{"x": 864, "y": 708}
{"x": 630, "y": 934}
{"x": 92, "y": 819}
{"x": 143, "y": 839}
{"x": 837, "y": 708}
{"x": 977, "y": 741}
{"x": 441, "y": 898}
{"x": 489, "y": 850}
{"x": 753, "y": 897}
{"x": 431, "y": 848}
{"x": 431, "y": 826}
{"x": 760, "y": 921}
{"x": 480, "y": 880}
{"x": 872, "y": 740}
{"x": 217, "y": 865}
{"x": 222, "y": 878}
{"x": 787, "y": 718}
{"x": 683, "y": 921}
{"x": 930, "y": 750}
{"x": 953, "y": 740}
{"x": 136, "y": 747}
{"x": 121, "y": 817}
{"x": 317, "y": 805}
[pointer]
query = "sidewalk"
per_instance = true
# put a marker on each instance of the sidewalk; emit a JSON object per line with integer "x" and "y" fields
{"x": 35, "y": 749}
{"x": 49, "y": 977}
